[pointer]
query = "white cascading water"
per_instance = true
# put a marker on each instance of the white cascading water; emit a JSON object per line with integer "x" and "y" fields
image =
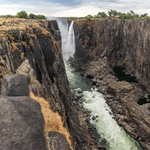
{"x": 67, "y": 37}
{"x": 106, "y": 126}
{"x": 70, "y": 44}
{"x": 63, "y": 26}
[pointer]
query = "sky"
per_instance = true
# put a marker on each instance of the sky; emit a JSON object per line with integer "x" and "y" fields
{"x": 78, "y": 8}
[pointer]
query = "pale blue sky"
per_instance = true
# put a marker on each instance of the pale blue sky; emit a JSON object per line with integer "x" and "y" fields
{"x": 63, "y": 8}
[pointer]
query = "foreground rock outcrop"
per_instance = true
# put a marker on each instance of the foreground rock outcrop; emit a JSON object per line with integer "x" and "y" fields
{"x": 21, "y": 120}
{"x": 102, "y": 45}
{"x": 15, "y": 85}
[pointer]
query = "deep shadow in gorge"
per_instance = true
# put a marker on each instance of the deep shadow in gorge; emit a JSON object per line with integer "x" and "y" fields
{"x": 122, "y": 76}
{"x": 120, "y": 73}
{"x": 144, "y": 100}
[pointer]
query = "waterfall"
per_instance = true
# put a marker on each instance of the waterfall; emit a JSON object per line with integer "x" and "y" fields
{"x": 70, "y": 43}
{"x": 63, "y": 26}
{"x": 68, "y": 39}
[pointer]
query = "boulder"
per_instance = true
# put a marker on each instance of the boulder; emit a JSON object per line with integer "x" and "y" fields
{"x": 21, "y": 124}
{"x": 26, "y": 69}
{"x": 15, "y": 85}
{"x": 57, "y": 141}
{"x": 37, "y": 88}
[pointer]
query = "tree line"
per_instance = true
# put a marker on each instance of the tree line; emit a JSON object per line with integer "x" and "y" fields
{"x": 23, "y": 14}
{"x": 113, "y": 14}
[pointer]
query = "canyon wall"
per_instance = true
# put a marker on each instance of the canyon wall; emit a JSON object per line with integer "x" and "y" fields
{"x": 33, "y": 48}
{"x": 102, "y": 45}
{"x": 125, "y": 42}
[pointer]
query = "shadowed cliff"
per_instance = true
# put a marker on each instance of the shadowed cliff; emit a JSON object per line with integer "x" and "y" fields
{"x": 102, "y": 45}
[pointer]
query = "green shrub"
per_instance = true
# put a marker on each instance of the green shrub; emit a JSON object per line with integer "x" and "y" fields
{"x": 32, "y": 16}
{"x": 143, "y": 15}
{"x": 146, "y": 17}
{"x": 40, "y": 17}
{"x": 102, "y": 14}
{"x": 88, "y": 17}
{"x": 9, "y": 16}
{"x": 22, "y": 14}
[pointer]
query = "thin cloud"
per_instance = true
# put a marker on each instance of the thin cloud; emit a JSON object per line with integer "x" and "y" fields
{"x": 58, "y": 8}
{"x": 35, "y": 7}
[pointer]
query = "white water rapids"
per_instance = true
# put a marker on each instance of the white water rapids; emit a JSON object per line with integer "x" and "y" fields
{"x": 106, "y": 126}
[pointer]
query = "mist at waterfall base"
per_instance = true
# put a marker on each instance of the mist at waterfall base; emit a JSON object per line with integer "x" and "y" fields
{"x": 106, "y": 126}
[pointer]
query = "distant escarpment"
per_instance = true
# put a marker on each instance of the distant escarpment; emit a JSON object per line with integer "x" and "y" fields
{"x": 103, "y": 45}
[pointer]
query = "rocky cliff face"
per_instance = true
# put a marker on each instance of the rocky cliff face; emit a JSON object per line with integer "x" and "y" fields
{"x": 33, "y": 48}
{"x": 102, "y": 45}
{"x": 124, "y": 42}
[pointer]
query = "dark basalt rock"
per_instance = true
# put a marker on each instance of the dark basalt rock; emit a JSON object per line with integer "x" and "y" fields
{"x": 15, "y": 85}
{"x": 93, "y": 117}
{"x": 21, "y": 124}
{"x": 57, "y": 141}
{"x": 103, "y": 140}
{"x": 21, "y": 120}
{"x": 102, "y": 45}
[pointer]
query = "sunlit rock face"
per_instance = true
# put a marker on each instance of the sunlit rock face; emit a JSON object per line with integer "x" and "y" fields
{"x": 33, "y": 48}
{"x": 102, "y": 45}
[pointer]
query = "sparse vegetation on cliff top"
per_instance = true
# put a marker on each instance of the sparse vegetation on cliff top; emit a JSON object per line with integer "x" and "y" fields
{"x": 113, "y": 14}
{"x": 23, "y": 14}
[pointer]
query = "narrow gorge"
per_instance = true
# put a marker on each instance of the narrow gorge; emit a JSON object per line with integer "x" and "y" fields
{"x": 71, "y": 70}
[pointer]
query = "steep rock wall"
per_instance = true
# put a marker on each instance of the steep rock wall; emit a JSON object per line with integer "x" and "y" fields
{"x": 21, "y": 120}
{"x": 104, "y": 44}
{"x": 124, "y": 42}
{"x": 33, "y": 48}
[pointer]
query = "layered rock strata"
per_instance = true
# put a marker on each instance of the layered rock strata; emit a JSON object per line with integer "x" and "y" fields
{"x": 102, "y": 45}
